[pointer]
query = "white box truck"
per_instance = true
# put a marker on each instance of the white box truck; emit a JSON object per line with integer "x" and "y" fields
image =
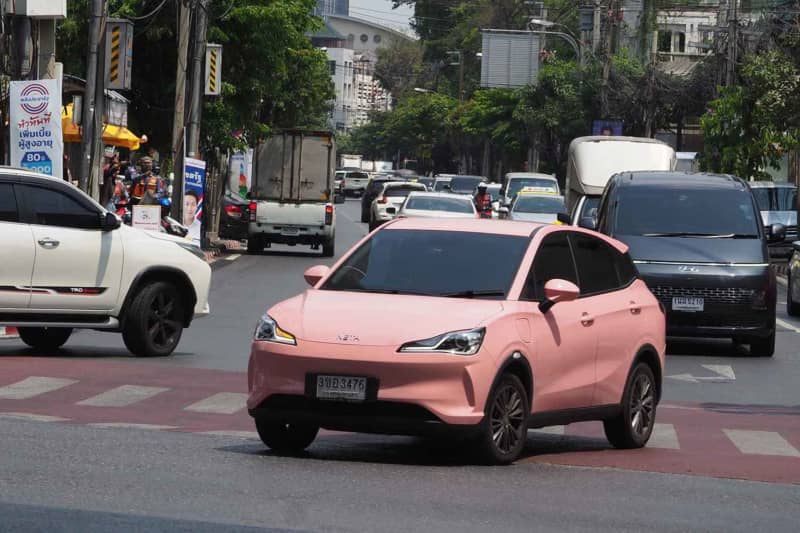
{"x": 292, "y": 196}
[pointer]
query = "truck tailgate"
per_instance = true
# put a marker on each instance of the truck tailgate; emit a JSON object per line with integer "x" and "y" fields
{"x": 300, "y": 214}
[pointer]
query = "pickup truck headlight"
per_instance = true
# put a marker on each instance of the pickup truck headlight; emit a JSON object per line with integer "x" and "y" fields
{"x": 268, "y": 330}
{"x": 466, "y": 342}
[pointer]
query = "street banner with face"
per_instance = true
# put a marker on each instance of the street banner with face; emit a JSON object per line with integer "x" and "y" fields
{"x": 194, "y": 180}
{"x": 35, "y": 126}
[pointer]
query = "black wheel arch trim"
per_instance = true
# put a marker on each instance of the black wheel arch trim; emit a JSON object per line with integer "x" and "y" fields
{"x": 155, "y": 270}
{"x": 516, "y": 358}
{"x": 650, "y": 352}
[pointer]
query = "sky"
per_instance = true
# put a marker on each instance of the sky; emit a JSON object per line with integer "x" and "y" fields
{"x": 381, "y": 11}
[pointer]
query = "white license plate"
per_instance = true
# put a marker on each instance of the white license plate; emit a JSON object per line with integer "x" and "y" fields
{"x": 347, "y": 388}
{"x": 691, "y": 305}
{"x": 290, "y": 231}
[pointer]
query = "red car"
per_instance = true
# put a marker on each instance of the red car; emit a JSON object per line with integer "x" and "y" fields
{"x": 440, "y": 325}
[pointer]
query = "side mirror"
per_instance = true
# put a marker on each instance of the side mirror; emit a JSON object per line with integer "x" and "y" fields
{"x": 564, "y": 218}
{"x": 588, "y": 223}
{"x": 316, "y": 273}
{"x": 776, "y": 233}
{"x": 109, "y": 222}
{"x": 557, "y": 291}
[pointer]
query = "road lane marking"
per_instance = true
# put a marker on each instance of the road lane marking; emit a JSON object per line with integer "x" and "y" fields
{"x": 550, "y": 430}
{"x": 126, "y": 425}
{"x": 752, "y": 442}
{"x": 236, "y": 434}
{"x": 723, "y": 370}
{"x": 787, "y": 325}
{"x": 665, "y": 437}
{"x": 33, "y": 386}
{"x": 233, "y": 257}
{"x": 122, "y": 396}
{"x": 223, "y": 403}
{"x": 33, "y": 417}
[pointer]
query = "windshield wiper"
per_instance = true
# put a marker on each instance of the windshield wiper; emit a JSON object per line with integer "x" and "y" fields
{"x": 473, "y": 294}
{"x": 391, "y": 291}
{"x": 702, "y": 235}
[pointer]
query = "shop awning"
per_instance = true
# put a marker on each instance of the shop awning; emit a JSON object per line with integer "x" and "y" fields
{"x": 113, "y": 135}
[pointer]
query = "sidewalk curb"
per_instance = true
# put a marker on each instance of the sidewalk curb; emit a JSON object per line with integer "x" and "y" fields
{"x": 8, "y": 333}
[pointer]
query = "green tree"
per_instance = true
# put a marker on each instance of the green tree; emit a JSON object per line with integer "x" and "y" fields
{"x": 751, "y": 125}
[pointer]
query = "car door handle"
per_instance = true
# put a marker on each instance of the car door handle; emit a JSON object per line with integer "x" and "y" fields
{"x": 587, "y": 319}
{"x": 49, "y": 243}
{"x": 635, "y": 308}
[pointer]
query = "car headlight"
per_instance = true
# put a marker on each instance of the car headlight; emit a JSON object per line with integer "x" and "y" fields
{"x": 268, "y": 330}
{"x": 466, "y": 342}
{"x": 192, "y": 249}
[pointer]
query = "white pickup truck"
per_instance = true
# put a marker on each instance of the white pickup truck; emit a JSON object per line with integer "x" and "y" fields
{"x": 355, "y": 181}
{"x": 292, "y": 194}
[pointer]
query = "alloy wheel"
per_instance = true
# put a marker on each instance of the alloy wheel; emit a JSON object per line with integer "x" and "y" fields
{"x": 507, "y": 419}
{"x": 642, "y": 405}
{"x": 163, "y": 325}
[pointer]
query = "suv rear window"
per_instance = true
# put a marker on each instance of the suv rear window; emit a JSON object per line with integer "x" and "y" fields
{"x": 401, "y": 191}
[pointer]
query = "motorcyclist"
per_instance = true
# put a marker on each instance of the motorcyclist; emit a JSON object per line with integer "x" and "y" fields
{"x": 148, "y": 187}
{"x": 483, "y": 202}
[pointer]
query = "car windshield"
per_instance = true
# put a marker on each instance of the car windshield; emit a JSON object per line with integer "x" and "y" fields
{"x": 401, "y": 191}
{"x": 539, "y": 204}
{"x": 425, "y": 181}
{"x": 660, "y": 212}
{"x": 465, "y": 184}
{"x": 431, "y": 203}
{"x": 493, "y": 190}
{"x": 357, "y": 175}
{"x": 439, "y": 185}
{"x": 433, "y": 263}
{"x": 517, "y": 184}
{"x": 776, "y": 198}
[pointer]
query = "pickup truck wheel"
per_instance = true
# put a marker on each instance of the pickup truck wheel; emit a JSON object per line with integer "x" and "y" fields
{"x": 328, "y": 249}
{"x": 254, "y": 245}
{"x": 154, "y": 323}
{"x": 45, "y": 339}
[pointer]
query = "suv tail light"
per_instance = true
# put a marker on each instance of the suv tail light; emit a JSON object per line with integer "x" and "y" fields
{"x": 328, "y": 214}
{"x": 234, "y": 211}
{"x": 253, "y": 207}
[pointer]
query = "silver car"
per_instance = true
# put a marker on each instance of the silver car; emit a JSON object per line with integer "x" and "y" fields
{"x": 543, "y": 208}
{"x": 778, "y": 205}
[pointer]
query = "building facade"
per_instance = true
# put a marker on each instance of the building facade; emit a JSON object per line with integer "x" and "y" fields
{"x": 332, "y": 7}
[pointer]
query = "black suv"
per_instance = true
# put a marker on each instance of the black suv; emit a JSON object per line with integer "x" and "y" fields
{"x": 374, "y": 188}
{"x": 698, "y": 242}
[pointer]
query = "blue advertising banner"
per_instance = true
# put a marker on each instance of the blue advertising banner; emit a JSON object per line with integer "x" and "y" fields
{"x": 194, "y": 181}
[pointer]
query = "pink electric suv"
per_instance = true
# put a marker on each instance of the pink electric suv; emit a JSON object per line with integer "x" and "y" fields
{"x": 483, "y": 327}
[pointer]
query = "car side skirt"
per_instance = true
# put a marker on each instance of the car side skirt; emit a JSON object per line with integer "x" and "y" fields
{"x": 569, "y": 416}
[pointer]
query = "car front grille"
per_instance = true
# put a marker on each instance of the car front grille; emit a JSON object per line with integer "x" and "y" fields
{"x": 717, "y": 295}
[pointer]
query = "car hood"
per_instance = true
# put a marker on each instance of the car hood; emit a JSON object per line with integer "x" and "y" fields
{"x": 340, "y": 317}
{"x": 694, "y": 250}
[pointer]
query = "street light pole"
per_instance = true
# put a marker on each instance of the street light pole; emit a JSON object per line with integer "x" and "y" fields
{"x": 567, "y": 37}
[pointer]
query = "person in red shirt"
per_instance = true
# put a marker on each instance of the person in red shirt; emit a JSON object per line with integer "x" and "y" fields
{"x": 483, "y": 202}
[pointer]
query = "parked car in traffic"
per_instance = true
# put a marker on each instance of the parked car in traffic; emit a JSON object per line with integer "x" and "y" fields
{"x": 441, "y": 182}
{"x": 388, "y": 202}
{"x": 355, "y": 181}
{"x": 793, "y": 290}
{"x": 374, "y": 188}
{"x": 698, "y": 242}
{"x": 561, "y": 330}
{"x": 533, "y": 181}
{"x": 71, "y": 264}
{"x": 437, "y": 205}
{"x": 464, "y": 184}
{"x": 537, "y": 207}
{"x": 778, "y": 205}
{"x": 234, "y": 217}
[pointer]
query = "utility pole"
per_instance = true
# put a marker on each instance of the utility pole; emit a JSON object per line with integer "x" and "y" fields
{"x": 596, "y": 27}
{"x": 90, "y": 97}
{"x": 733, "y": 43}
{"x": 179, "y": 121}
{"x": 649, "y": 125}
{"x": 201, "y": 23}
{"x": 608, "y": 40}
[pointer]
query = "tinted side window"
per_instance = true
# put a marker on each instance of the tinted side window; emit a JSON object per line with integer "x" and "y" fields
{"x": 626, "y": 270}
{"x": 54, "y": 208}
{"x": 597, "y": 264}
{"x": 8, "y": 204}
{"x": 553, "y": 261}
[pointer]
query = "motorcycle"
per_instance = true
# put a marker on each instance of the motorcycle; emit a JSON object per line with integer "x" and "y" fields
{"x": 169, "y": 224}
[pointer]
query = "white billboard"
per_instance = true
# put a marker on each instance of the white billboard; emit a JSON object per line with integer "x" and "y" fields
{"x": 510, "y": 59}
{"x": 35, "y": 126}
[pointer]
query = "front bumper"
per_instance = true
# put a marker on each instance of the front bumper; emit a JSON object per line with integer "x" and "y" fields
{"x": 413, "y": 393}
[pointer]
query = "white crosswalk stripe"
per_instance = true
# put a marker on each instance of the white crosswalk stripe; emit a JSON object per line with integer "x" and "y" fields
{"x": 122, "y": 396}
{"x": 33, "y": 386}
{"x": 664, "y": 436}
{"x": 753, "y": 442}
{"x": 34, "y": 417}
{"x": 223, "y": 403}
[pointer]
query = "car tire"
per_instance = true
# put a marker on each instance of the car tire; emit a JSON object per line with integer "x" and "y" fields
{"x": 763, "y": 346}
{"x": 286, "y": 437}
{"x": 792, "y": 307}
{"x": 504, "y": 430}
{"x": 634, "y": 425}
{"x": 154, "y": 323}
{"x": 254, "y": 244}
{"x": 44, "y": 339}
{"x": 328, "y": 248}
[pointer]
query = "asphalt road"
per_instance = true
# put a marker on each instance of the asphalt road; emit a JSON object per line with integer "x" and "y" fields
{"x": 59, "y": 474}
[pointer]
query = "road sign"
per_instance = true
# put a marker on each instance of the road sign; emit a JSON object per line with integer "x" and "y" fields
{"x": 37, "y": 162}
{"x": 213, "y": 69}
{"x": 119, "y": 53}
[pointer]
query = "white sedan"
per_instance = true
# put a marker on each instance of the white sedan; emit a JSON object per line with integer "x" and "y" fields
{"x": 542, "y": 208}
{"x": 389, "y": 200}
{"x": 437, "y": 205}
